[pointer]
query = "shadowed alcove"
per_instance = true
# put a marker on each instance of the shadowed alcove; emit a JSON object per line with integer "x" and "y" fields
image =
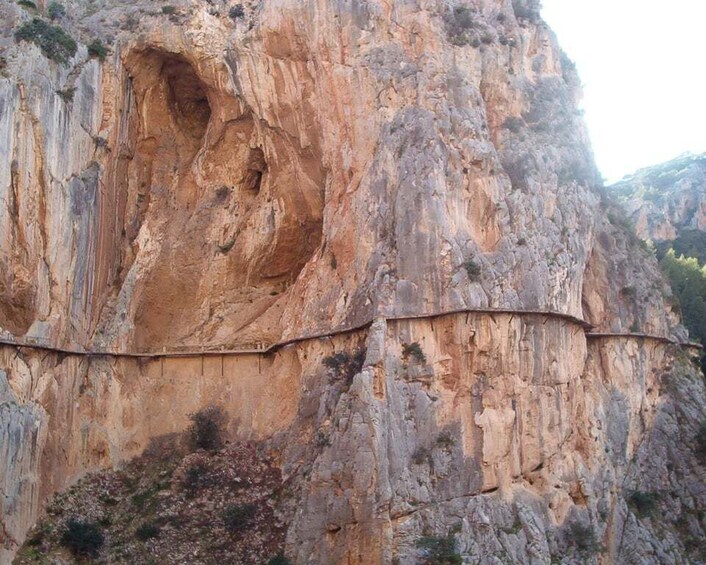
{"x": 222, "y": 212}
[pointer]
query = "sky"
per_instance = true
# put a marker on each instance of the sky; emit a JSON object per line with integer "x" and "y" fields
{"x": 642, "y": 66}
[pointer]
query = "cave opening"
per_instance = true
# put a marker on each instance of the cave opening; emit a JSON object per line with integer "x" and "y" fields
{"x": 255, "y": 169}
{"x": 217, "y": 267}
{"x": 187, "y": 98}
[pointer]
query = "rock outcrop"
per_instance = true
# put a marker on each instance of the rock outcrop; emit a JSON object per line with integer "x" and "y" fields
{"x": 407, "y": 180}
{"x": 667, "y": 204}
{"x": 668, "y": 200}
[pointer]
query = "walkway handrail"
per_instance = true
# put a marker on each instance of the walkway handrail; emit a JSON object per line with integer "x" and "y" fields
{"x": 637, "y": 335}
{"x": 263, "y": 348}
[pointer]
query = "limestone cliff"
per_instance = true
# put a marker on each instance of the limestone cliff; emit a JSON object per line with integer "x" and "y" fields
{"x": 667, "y": 204}
{"x": 666, "y": 201}
{"x": 242, "y": 194}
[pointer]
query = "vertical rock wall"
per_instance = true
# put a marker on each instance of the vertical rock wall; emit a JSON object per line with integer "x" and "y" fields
{"x": 312, "y": 166}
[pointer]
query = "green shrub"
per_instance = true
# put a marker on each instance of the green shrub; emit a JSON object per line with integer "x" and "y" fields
{"x": 207, "y": 428}
{"x": 223, "y": 192}
{"x": 52, "y": 40}
{"x": 414, "y": 350}
{"x": 67, "y": 95}
{"x": 279, "y": 559}
{"x": 514, "y": 124}
{"x": 583, "y": 538}
{"x": 83, "y": 539}
{"x": 420, "y": 456}
{"x": 344, "y": 366}
{"x": 438, "y": 550}
{"x": 236, "y": 12}
{"x": 195, "y": 477}
{"x": 56, "y": 11}
{"x": 645, "y": 503}
{"x": 146, "y": 531}
{"x": 628, "y": 291}
{"x": 168, "y": 10}
{"x": 27, "y": 4}
{"x": 526, "y": 9}
{"x": 142, "y": 499}
{"x": 38, "y": 535}
{"x": 473, "y": 269}
{"x": 238, "y": 517}
{"x": 323, "y": 438}
{"x": 459, "y": 23}
{"x": 98, "y": 50}
{"x": 445, "y": 440}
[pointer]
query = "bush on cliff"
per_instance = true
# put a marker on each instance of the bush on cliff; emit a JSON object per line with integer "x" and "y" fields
{"x": 473, "y": 269}
{"x": 97, "y": 50}
{"x": 54, "y": 42}
{"x": 583, "y": 538}
{"x": 238, "y": 517}
{"x": 236, "y": 12}
{"x": 56, "y": 11}
{"x": 279, "y": 559}
{"x": 83, "y": 539}
{"x": 146, "y": 531}
{"x": 644, "y": 503}
{"x": 344, "y": 365}
{"x": 414, "y": 350}
{"x": 437, "y": 550}
{"x": 207, "y": 428}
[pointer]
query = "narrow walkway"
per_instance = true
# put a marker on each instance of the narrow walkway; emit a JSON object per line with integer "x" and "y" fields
{"x": 687, "y": 344}
{"x": 263, "y": 348}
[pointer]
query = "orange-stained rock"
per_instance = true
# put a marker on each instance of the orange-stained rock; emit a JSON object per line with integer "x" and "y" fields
{"x": 314, "y": 166}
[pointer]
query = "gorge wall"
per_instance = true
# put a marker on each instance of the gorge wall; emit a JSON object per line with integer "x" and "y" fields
{"x": 667, "y": 201}
{"x": 336, "y": 169}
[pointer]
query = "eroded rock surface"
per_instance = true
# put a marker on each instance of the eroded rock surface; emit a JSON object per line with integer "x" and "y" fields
{"x": 668, "y": 200}
{"x": 307, "y": 167}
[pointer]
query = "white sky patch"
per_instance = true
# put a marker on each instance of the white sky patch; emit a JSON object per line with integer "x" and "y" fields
{"x": 642, "y": 66}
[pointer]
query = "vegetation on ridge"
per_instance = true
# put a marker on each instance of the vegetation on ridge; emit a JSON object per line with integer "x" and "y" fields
{"x": 54, "y": 42}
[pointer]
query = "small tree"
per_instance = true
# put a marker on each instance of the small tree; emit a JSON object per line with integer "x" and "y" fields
{"x": 645, "y": 503}
{"x": 207, "y": 428}
{"x": 146, "y": 531}
{"x": 279, "y": 559}
{"x": 238, "y": 517}
{"x": 56, "y": 11}
{"x": 98, "y": 50}
{"x": 414, "y": 350}
{"x": 473, "y": 270}
{"x": 437, "y": 550}
{"x": 54, "y": 42}
{"x": 83, "y": 539}
{"x": 345, "y": 366}
{"x": 195, "y": 476}
{"x": 236, "y": 12}
{"x": 583, "y": 538}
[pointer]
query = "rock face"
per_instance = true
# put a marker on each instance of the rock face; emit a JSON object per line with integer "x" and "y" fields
{"x": 377, "y": 174}
{"x": 667, "y": 204}
{"x": 666, "y": 200}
